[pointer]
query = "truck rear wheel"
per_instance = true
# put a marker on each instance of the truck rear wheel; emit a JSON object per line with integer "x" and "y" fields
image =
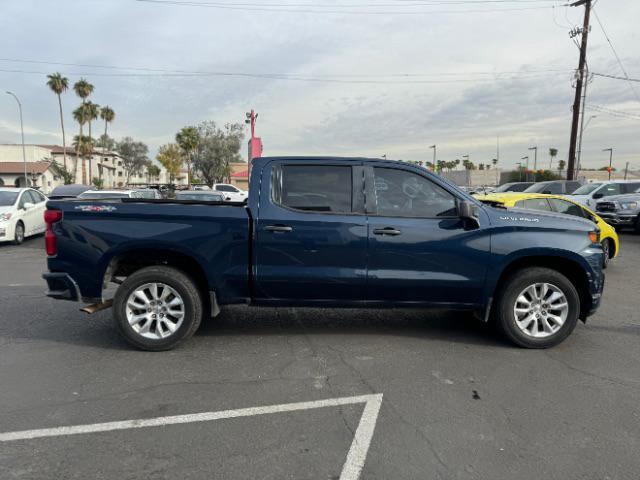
{"x": 157, "y": 307}
{"x": 537, "y": 308}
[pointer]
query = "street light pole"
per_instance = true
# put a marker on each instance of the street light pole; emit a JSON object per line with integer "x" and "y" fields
{"x": 526, "y": 177}
{"x": 610, "y": 150}
{"x": 535, "y": 158}
{"x": 24, "y": 155}
{"x": 434, "y": 155}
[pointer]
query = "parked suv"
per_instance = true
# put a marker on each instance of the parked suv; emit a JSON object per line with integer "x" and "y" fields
{"x": 621, "y": 211}
{"x": 554, "y": 187}
{"x": 590, "y": 193}
{"x": 230, "y": 192}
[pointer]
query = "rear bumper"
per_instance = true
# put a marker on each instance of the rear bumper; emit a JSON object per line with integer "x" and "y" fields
{"x": 62, "y": 286}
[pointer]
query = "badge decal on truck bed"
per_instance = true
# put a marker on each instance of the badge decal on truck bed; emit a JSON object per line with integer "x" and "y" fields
{"x": 96, "y": 208}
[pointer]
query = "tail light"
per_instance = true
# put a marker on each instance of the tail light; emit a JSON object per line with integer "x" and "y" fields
{"x": 50, "y": 239}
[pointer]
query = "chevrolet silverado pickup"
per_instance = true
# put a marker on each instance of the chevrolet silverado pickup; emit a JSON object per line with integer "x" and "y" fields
{"x": 325, "y": 232}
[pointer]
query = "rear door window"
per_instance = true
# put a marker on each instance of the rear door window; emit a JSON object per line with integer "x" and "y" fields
{"x": 535, "y": 204}
{"x": 314, "y": 188}
{"x": 568, "y": 208}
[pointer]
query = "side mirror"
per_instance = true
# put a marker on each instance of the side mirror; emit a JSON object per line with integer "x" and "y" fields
{"x": 598, "y": 195}
{"x": 29, "y": 205}
{"x": 467, "y": 212}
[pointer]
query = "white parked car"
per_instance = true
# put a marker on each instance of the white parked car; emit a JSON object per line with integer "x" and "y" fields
{"x": 231, "y": 192}
{"x": 21, "y": 214}
{"x": 590, "y": 193}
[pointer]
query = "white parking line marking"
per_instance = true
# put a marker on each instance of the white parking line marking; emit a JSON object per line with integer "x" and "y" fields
{"x": 350, "y": 470}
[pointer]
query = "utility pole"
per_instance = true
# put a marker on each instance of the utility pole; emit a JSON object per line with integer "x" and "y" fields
{"x": 610, "y": 150}
{"x": 583, "y": 127}
{"x": 579, "y": 83}
{"x": 626, "y": 170}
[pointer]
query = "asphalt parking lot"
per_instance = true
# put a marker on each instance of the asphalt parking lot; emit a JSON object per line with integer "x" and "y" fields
{"x": 457, "y": 402}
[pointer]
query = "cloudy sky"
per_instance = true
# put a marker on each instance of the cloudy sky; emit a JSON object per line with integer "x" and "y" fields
{"x": 350, "y": 77}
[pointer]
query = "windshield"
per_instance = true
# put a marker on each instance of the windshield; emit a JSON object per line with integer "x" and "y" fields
{"x": 537, "y": 187}
{"x": 587, "y": 189}
{"x": 103, "y": 195}
{"x": 8, "y": 198}
{"x": 207, "y": 197}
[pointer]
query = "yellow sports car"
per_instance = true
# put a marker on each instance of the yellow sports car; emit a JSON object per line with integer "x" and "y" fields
{"x": 556, "y": 203}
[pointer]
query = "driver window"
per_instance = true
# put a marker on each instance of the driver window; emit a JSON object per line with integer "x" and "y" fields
{"x": 24, "y": 199}
{"x": 400, "y": 193}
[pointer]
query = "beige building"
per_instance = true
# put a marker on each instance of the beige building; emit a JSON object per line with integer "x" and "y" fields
{"x": 103, "y": 164}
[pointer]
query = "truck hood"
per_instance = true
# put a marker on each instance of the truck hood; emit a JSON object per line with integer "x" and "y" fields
{"x": 533, "y": 218}
{"x": 625, "y": 196}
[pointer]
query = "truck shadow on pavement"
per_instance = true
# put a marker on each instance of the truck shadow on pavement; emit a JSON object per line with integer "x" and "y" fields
{"x": 455, "y": 327}
{"x": 43, "y": 319}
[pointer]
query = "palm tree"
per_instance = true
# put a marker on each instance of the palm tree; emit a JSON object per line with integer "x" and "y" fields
{"x": 108, "y": 115}
{"x": 58, "y": 85}
{"x": 80, "y": 116}
{"x": 93, "y": 111}
{"x": 561, "y": 164}
{"x": 83, "y": 145}
{"x": 83, "y": 89}
{"x": 552, "y": 153}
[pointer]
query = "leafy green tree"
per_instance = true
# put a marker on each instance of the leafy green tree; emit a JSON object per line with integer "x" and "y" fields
{"x": 106, "y": 142}
{"x": 170, "y": 157}
{"x": 217, "y": 149}
{"x": 58, "y": 85}
{"x": 97, "y": 182}
{"x": 134, "y": 156}
{"x": 188, "y": 139}
{"x": 63, "y": 172}
{"x": 153, "y": 172}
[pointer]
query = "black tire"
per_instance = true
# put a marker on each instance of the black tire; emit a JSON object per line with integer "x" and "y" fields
{"x": 606, "y": 252}
{"x": 18, "y": 236}
{"x": 506, "y": 301}
{"x": 176, "y": 280}
{"x": 637, "y": 225}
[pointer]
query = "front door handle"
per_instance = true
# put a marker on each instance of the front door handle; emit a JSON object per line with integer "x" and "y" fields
{"x": 278, "y": 228}
{"x": 387, "y": 231}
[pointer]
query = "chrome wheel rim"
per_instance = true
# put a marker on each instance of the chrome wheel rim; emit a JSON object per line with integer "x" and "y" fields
{"x": 540, "y": 310}
{"x": 155, "y": 311}
{"x": 19, "y": 233}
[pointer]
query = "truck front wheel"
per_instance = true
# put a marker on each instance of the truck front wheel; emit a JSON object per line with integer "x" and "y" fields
{"x": 157, "y": 307}
{"x": 537, "y": 308}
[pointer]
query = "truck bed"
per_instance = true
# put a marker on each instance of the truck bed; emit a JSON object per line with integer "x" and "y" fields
{"x": 94, "y": 235}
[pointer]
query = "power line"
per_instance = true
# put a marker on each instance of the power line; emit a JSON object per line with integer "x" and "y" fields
{"x": 614, "y": 113}
{"x": 146, "y": 71}
{"x": 286, "y": 77}
{"x": 615, "y": 53}
{"x": 314, "y": 8}
{"x": 616, "y": 77}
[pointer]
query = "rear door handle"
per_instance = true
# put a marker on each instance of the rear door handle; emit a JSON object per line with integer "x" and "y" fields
{"x": 387, "y": 231}
{"x": 278, "y": 228}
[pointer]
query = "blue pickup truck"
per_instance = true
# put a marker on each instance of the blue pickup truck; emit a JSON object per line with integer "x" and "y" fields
{"x": 325, "y": 232}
